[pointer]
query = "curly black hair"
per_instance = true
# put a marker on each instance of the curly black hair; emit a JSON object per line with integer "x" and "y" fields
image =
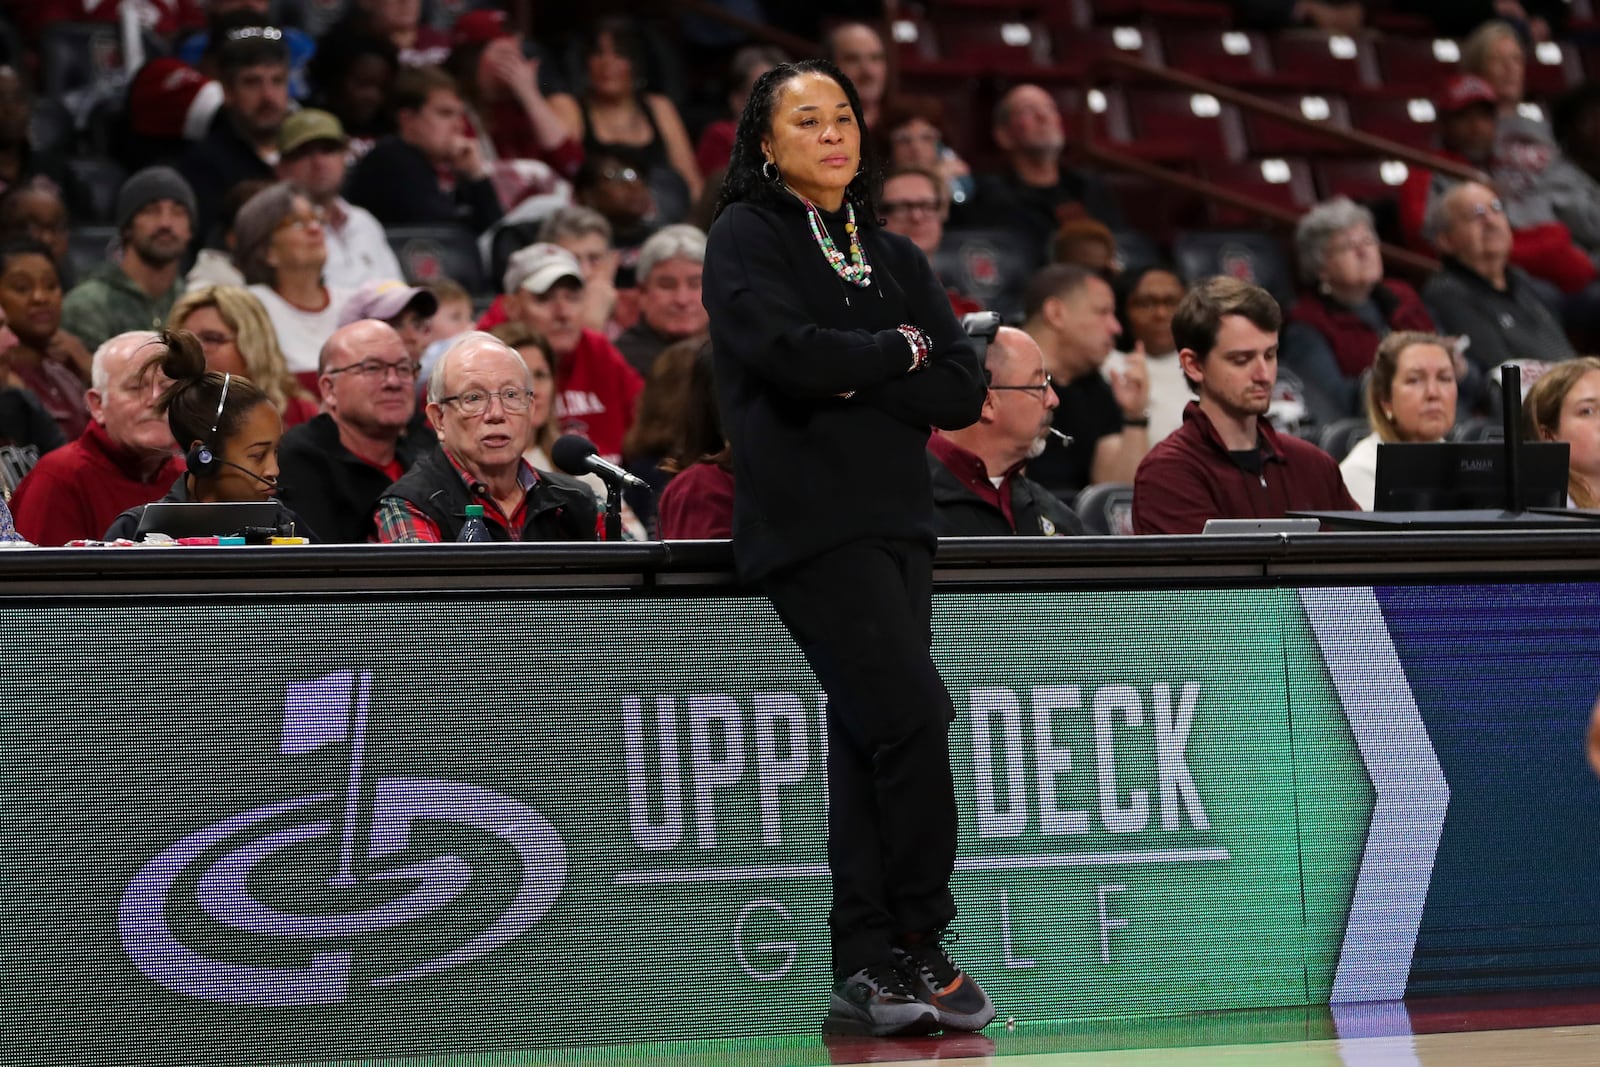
{"x": 744, "y": 180}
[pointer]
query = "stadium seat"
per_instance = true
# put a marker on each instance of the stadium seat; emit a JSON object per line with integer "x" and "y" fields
{"x": 50, "y": 126}
{"x": 1478, "y": 428}
{"x": 1105, "y": 509}
{"x": 1268, "y": 136}
{"x": 97, "y": 181}
{"x": 1323, "y": 62}
{"x": 1552, "y": 69}
{"x": 1416, "y": 66}
{"x": 990, "y": 266}
{"x": 1013, "y": 48}
{"x": 1408, "y": 120}
{"x": 919, "y": 51}
{"x": 1244, "y": 254}
{"x": 1106, "y": 107}
{"x": 429, "y": 253}
{"x": 74, "y": 56}
{"x": 1166, "y": 12}
{"x": 15, "y": 463}
{"x": 1084, "y": 46}
{"x": 1182, "y": 126}
{"x": 1280, "y": 182}
{"x": 88, "y": 247}
{"x": 1364, "y": 180}
{"x": 1238, "y": 57}
{"x": 1338, "y": 438}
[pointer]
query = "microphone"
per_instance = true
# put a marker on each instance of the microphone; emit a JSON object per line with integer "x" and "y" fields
{"x": 1065, "y": 439}
{"x": 270, "y": 483}
{"x": 578, "y": 456}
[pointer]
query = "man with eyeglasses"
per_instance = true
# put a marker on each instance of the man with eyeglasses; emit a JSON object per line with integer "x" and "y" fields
{"x": 479, "y": 403}
{"x": 123, "y": 459}
{"x": 1478, "y": 294}
{"x": 915, "y": 204}
{"x": 333, "y": 469}
{"x": 979, "y": 489}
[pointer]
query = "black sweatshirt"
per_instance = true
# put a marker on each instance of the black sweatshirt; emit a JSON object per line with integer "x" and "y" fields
{"x": 814, "y": 470}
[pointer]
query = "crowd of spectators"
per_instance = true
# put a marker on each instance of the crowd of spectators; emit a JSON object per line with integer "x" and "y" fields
{"x": 263, "y": 170}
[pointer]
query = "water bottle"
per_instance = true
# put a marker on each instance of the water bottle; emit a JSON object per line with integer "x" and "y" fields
{"x": 474, "y": 529}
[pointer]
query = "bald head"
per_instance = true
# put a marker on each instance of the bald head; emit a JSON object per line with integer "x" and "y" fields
{"x": 1012, "y": 349}
{"x": 857, "y": 50}
{"x": 114, "y": 355}
{"x": 363, "y": 336}
{"x": 1028, "y": 121}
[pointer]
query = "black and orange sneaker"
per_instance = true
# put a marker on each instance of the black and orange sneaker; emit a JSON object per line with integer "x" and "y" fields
{"x": 935, "y": 979}
{"x": 876, "y": 1000}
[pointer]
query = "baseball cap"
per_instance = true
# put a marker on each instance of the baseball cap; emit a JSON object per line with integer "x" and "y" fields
{"x": 479, "y": 27}
{"x": 538, "y": 267}
{"x": 308, "y": 125}
{"x": 1464, "y": 90}
{"x": 170, "y": 99}
{"x": 385, "y": 300}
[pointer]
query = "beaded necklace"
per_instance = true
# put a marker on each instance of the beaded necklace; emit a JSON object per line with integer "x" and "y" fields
{"x": 856, "y": 270}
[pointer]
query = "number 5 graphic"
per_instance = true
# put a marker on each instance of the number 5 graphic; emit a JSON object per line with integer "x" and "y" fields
{"x": 324, "y": 711}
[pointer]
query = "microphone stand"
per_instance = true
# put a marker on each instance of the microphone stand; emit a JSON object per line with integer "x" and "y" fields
{"x": 613, "y": 512}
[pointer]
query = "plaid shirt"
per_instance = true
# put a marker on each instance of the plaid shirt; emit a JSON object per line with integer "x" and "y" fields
{"x": 400, "y": 522}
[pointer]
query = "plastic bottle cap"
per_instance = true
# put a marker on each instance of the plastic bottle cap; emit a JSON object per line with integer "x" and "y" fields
{"x": 474, "y": 511}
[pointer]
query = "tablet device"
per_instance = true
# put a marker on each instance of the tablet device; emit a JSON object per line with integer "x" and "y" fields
{"x": 190, "y": 519}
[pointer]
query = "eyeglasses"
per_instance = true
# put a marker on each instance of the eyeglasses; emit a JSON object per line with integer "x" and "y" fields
{"x": 213, "y": 339}
{"x": 476, "y": 403}
{"x": 1482, "y": 211}
{"x": 302, "y": 222}
{"x": 1040, "y": 389}
{"x": 377, "y": 368}
{"x": 907, "y": 207}
{"x": 620, "y": 174}
{"x": 1149, "y": 303}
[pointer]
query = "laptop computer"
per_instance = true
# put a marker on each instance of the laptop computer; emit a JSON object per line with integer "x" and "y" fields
{"x": 191, "y": 519}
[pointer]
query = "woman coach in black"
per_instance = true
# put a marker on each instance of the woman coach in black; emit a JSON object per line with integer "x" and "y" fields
{"x": 835, "y": 352}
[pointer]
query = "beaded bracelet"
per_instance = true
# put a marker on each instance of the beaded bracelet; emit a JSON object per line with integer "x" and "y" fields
{"x": 921, "y": 348}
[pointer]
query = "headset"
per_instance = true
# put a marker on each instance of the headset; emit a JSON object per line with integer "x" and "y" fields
{"x": 202, "y": 459}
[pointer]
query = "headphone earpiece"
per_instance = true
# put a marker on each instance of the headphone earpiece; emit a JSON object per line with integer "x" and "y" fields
{"x": 201, "y": 461}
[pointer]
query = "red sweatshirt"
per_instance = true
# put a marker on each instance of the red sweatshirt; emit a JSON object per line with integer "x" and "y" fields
{"x": 596, "y": 391}
{"x": 79, "y": 489}
{"x": 1190, "y": 477}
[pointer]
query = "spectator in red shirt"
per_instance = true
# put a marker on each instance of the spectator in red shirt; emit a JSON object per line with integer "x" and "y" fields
{"x": 697, "y": 503}
{"x": 596, "y": 389}
{"x": 400, "y": 21}
{"x": 123, "y": 459}
{"x": 505, "y": 101}
{"x": 715, "y": 146}
{"x": 1226, "y": 461}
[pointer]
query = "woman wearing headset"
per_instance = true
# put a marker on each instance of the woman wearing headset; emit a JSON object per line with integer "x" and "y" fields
{"x": 228, "y": 428}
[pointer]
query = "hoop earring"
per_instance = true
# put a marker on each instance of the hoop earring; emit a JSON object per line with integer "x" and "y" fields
{"x": 771, "y": 175}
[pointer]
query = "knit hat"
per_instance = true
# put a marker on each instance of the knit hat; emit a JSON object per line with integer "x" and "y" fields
{"x": 479, "y": 27}
{"x": 170, "y": 99}
{"x": 147, "y": 186}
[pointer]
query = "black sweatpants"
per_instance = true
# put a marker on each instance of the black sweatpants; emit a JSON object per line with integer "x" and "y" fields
{"x": 862, "y": 614}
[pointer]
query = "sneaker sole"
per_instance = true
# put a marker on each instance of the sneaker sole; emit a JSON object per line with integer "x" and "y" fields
{"x": 849, "y": 1026}
{"x": 970, "y": 1022}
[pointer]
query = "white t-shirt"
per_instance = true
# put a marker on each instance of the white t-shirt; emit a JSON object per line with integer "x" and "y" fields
{"x": 1169, "y": 390}
{"x": 358, "y": 251}
{"x": 301, "y": 333}
{"x": 1360, "y": 471}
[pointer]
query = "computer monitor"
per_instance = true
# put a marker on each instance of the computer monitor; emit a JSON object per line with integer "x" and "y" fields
{"x": 191, "y": 519}
{"x": 1450, "y": 476}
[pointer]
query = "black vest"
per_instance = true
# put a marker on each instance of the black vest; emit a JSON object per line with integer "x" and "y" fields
{"x": 559, "y": 508}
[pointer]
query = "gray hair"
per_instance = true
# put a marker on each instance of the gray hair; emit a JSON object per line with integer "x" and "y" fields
{"x": 679, "y": 241}
{"x": 99, "y": 375}
{"x": 253, "y": 228}
{"x": 1436, "y": 220}
{"x": 1322, "y": 224}
{"x": 573, "y": 222}
{"x": 470, "y": 339}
